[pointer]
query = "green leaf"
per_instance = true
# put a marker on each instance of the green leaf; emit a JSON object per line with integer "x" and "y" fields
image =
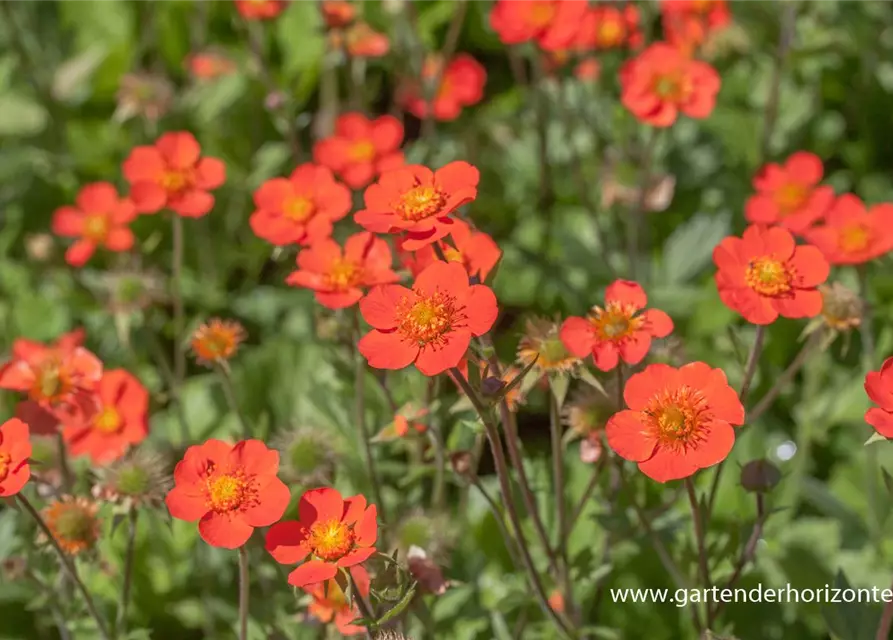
{"x": 848, "y": 620}
{"x": 586, "y": 376}
{"x": 690, "y": 247}
{"x": 21, "y": 116}
{"x": 300, "y": 36}
{"x": 399, "y": 607}
{"x": 514, "y": 383}
{"x": 72, "y": 77}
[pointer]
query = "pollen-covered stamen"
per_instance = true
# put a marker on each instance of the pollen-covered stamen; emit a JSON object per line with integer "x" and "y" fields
{"x": 610, "y": 32}
{"x": 790, "y": 197}
{"x": 230, "y": 491}
{"x": 672, "y": 87}
{"x": 108, "y": 420}
{"x": 5, "y": 463}
{"x": 616, "y": 321}
{"x": 362, "y": 151}
{"x": 330, "y": 539}
{"x": 768, "y": 276}
{"x": 176, "y": 181}
{"x": 298, "y": 208}
{"x": 427, "y": 319}
{"x": 677, "y": 418}
{"x": 420, "y": 202}
{"x": 51, "y": 382}
{"x": 96, "y": 227}
{"x": 855, "y": 237}
{"x": 343, "y": 275}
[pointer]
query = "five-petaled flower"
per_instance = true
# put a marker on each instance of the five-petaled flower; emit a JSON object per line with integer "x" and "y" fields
{"x": 688, "y": 23}
{"x": 299, "y": 209}
{"x": 552, "y": 24}
{"x": 259, "y": 9}
{"x": 764, "y": 274}
{"x": 120, "y": 422}
{"x": 475, "y": 250}
{"x": 661, "y": 82}
{"x": 172, "y": 174}
{"x": 617, "y": 330}
{"x": 879, "y": 387}
{"x": 418, "y": 201}
{"x": 60, "y": 378}
{"x": 678, "y": 420}
{"x": 430, "y": 325}
{"x": 789, "y": 195}
{"x": 330, "y": 603}
{"x": 337, "y": 276}
{"x": 229, "y": 489}
{"x": 361, "y": 149}
{"x": 15, "y": 450}
{"x": 608, "y": 27}
{"x": 100, "y": 219}
{"x": 461, "y": 85}
{"x": 331, "y": 533}
{"x": 852, "y": 234}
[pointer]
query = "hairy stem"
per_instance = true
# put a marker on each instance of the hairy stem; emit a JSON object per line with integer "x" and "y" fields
{"x": 226, "y": 382}
{"x": 700, "y": 540}
{"x": 243, "y": 593}
{"x": 124, "y": 602}
{"x": 784, "y": 379}
{"x": 360, "y": 419}
{"x": 67, "y": 566}
{"x": 748, "y": 552}
{"x": 560, "y": 499}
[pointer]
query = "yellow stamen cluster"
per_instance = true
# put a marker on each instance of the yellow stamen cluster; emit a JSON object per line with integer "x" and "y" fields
{"x": 768, "y": 276}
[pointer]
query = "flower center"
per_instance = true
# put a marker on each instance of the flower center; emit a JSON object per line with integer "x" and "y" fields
{"x": 362, "y": 151}
{"x": 615, "y": 322}
{"x": 50, "y": 383}
{"x": 298, "y": 208}
{"x": 228, "y": 492}
{"x": 330, "y": 540}
{"x": 96, "y": 227}
{"x": 175, "y": 181}
{"x": 5, "y": 462}
{"x": 790, "y": 198}
{"x": 677, "y": 418}
{"x": 453, "y": 255}
{"x": 428, "y": 318}
{"x": 670, "y": 87}
{"x": 343, "y": 275}
{"x": 420, "y": 202}
{"x": 108, "y": 420}
{"x": 854, "y": 237}
{"x": 541, "y": 14}
{"x": 768, "y": 276}
{"x": 75, "y": 524}
{"x": 610, "y": 33}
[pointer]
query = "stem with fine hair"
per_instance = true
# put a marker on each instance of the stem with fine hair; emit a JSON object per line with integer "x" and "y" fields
{"x": 560, "y": 499}
{"x": 243, "y": 593}
{"x": 747, "y": 554}
{"x": 176, "y": 284}
{"x": 785, "y": 378}
{"x": 436, "y": 435}
{"x": 360, "y": 418}
{"x": 124, "y": 602}
{"x": 866, "y": 327}
{"x": 502, "y": 475}
{"x": 700, "y": 540}
{"x": 67, "y": 566}
{"x": 750, "y": 370}
{"x": 226, "y": 382}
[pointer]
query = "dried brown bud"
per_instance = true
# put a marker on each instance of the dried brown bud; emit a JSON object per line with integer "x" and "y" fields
{"x": 759, "y": 476}
{"x": 841, "y": 307}
{"x": 461, "y": 461}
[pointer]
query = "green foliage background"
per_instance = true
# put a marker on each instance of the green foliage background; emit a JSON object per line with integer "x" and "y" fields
{"x": 60, "y": 66}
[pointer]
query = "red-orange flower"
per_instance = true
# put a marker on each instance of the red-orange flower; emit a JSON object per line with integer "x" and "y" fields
{"x": 338, "y": 276}
{"x": 217, "y": 340}
{"x": 229, "y": 489}
{"x": 362, "y": 41}
{"x": 461, "y": 85}
{"x": 551, "y": 23}
{"x": 879, "y": 387}
{"x": 714, "y": 12}
{"x": 609, "y": 27}
{"x": 331, "y": 533}
{"x": 330, "y": 602}
{"x": 418, "y": 201}
{"x": 259, "y": 9}
{"x": 617, "y": 330}
{"x": 172, "y": 174}
{"x": 361, "y": 149}
{"x": 337, "y": 13}
{"x": 60, "y": 377}
{"x": 853, "y": 234}
{"x": 208, "y": 65}
{"x": 120, "y": 422}
{"x": 299, "y": 209}
{"x": 100, "y": 219}
{"x": 475, "y": 250}
{"x": 789, "y": 195}
{"x": 661, "y": 82}
{"x": 764, "y": 274}
{"x": 430, "y": 325}
{"x": 15, "y": 450}
{"x": 678, "y": 421}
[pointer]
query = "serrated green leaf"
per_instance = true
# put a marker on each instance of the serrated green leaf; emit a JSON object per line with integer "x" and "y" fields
{"x": 399, "y": 607}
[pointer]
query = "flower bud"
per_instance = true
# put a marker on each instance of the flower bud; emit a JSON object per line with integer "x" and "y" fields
{"x": 461, "y": 462}
{"x": 491, "y": 386}
{"x": 759, "y": 476}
